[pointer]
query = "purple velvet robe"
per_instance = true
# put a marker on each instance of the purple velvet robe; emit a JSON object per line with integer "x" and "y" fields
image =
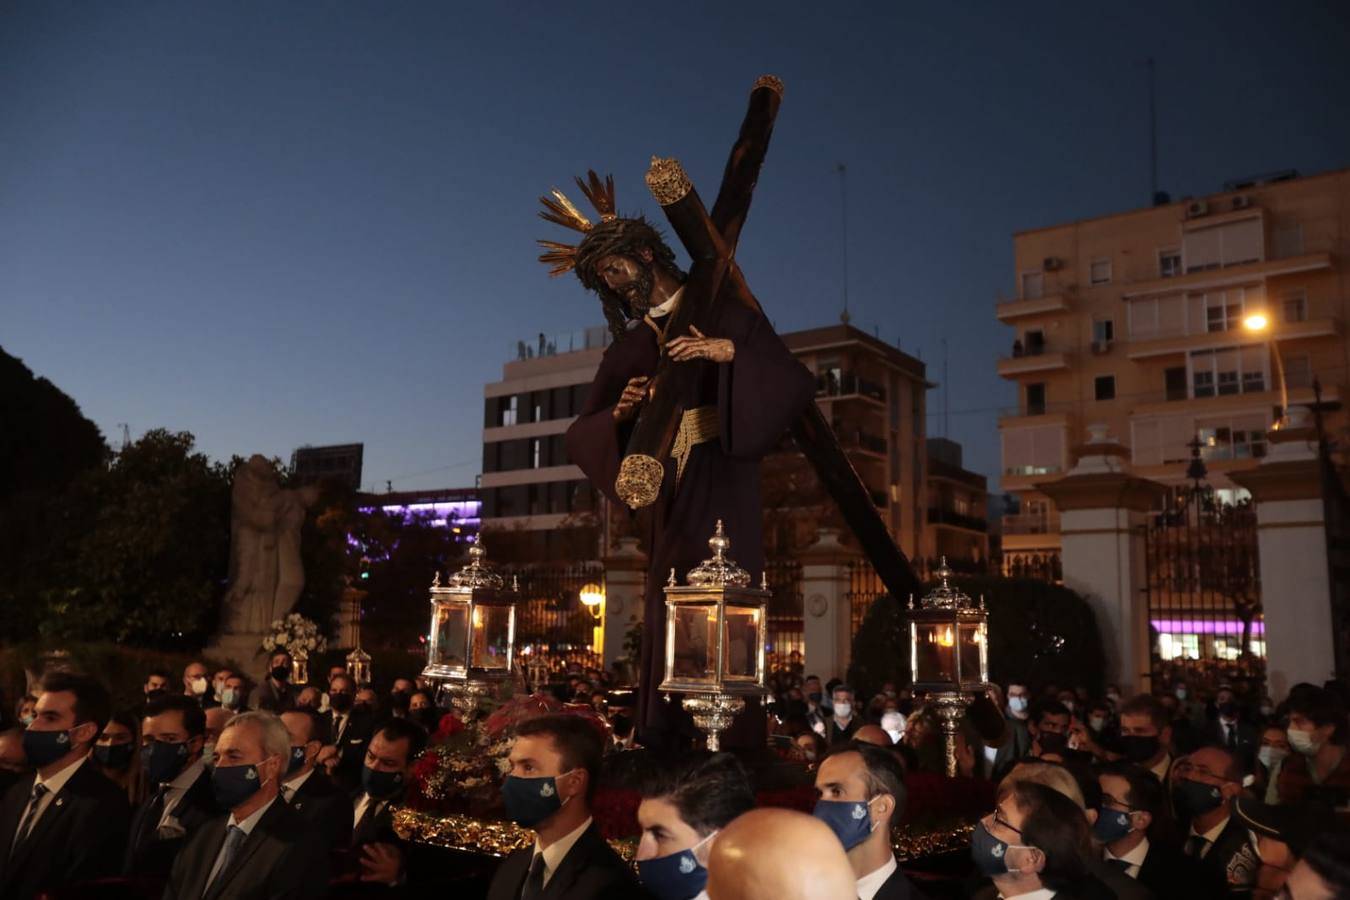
{"x": 759, "y": 394}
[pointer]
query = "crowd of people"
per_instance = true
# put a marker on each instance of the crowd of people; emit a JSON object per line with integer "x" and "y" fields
{"x": 215, "y": 788}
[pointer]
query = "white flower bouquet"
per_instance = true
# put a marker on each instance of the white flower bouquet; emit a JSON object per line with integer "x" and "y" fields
{"x": 296, "y": 634}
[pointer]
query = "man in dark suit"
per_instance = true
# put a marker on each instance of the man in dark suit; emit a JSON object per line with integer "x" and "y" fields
{"x": 554, "y": 763}
{"x": 310, "y": 792}
{"x": 1132, "y": 824}
{"x": 179, "y": 800}
{"x": 275, "y": 693}
{"x": 263, "y": 849}
{"x": 64, "y": 823}
{"x": 379, "y": 855}
{"x": 862, "y": 791}
{"x": 350, "y": 731}
{"x": 1230, "y": 732}
{"x": 1205, "y": 786}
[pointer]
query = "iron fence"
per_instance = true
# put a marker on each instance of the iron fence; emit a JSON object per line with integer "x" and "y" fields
{"x": 551, "y": 621}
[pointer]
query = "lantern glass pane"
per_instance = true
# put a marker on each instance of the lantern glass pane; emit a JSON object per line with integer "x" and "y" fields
{"x": 740, "y": 636}
{"x": 695, "y": 635}
{"x": 969, "y": 649}
{"x": 451, "y": 636}
{"x": 491, "y": 636}
{"x": 935, "y": 652}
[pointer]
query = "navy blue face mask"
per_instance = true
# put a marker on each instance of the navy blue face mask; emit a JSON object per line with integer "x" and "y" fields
{"x": 530, "y": 801}
{"x": 297, "y": 760}
{"x": 989, "y": 854}
{"x": 42, "y": 748}
{"x": 677, "y": 876}
{"x": 1112, "y": 825}
{"x": 381, "y": 785}
{"x": 163, "y": 760}
{"x": 232, "y": 785}
{"x": 114, "y": 756}
{"x": 848, "y": 819}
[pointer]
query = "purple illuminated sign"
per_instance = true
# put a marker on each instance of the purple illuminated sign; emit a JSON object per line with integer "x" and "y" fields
{"x": 1225, "y": 626}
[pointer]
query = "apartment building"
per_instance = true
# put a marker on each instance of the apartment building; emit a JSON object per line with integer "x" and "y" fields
{"x": 1195, "y": 321}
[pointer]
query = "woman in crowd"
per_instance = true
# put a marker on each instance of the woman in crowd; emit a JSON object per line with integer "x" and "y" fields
{"x": 117, "y": 755}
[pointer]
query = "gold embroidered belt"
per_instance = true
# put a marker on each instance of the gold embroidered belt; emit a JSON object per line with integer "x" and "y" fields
{"x": 697, "y": 426}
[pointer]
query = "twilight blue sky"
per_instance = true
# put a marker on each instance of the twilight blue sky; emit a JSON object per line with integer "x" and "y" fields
{"x": 277, "y": 223}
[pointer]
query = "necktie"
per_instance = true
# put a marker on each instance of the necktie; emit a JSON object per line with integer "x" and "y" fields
{"x": 1120, "y": 864}
{"x": 363, "y": 833}
{"x": 234, "y": 838}
{"x": 149, "y": 822}
{"x": 1195, "y": 845}
{"x": 26, "y": 826}
{"x": 534, "y": 882}
{"x": 1232, "y": 736}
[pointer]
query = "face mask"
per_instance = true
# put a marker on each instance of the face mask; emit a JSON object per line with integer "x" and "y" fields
{"x": 297, "y": 760}
{"x": 361, "y": 708}
{"x": 198, "y": 686}
{"x": 848, "y": 819}
{"x": 1052, "y": 742}
{"x": 1271, "y": 756}
{"x": 1139, "y": 748}
{"x": 1017, "y": 704}
{"x": 114, "y": 756}
{"x": 1228, "y": 712}
{"x": 233, "y": 785}
{"x": 894, "y": 725}
{"x": 340, "y": 702}
{"x": 26, "y": 719}
{"x": 1112, "y": 825}
{"x": 281, "y": 673}
{"x": 1193, "y": 798}
{"x": 229, "y": 698}
{"x": 209, "y": 754}
{"x": 218, "y": 687}
{"x": 843, "y": 710}
{"x": 1097, "y": 723}
{"x": 814, "y": 697}
{"x": 1113, "y": 697}
{"x": 163, "y": 760}
{"x": 1181, "y": 693}
{"x": 989, "y": 854}
{"x": 1302, "y": 741}
{"x": 530, "y": 801}
{"x": 677, "y": 876}
{"x": 45, "y": 747}
{"x": 154, "y": 694}
{"x": 1067, "y": 704}
{"x": 381, "y": 785}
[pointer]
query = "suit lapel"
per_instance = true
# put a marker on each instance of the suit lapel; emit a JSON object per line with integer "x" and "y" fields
{"x": 58, "y": 808}
{"x": 213, "y": 838}
{"x": 571, "y": 865}
{"x": 260, "y": 835}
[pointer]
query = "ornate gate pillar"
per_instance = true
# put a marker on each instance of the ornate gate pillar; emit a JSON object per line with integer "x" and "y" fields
{"x": 1292, "y": 542}
{"x": 1103, "y": 513}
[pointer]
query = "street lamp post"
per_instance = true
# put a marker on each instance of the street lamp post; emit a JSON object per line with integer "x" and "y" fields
{"x": 1259, "y": 323}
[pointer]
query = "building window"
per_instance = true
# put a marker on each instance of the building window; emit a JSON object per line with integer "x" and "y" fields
{"x": 1033, "y": 285}
{"x": 1103, "y": 331}
{"x": 1219, "y": 246}
{"x": 1105, "y": 387}
{"x": 1288, "y": 239}
{"x": 1174, "y": 381}
{"x": 1298, "y": 370}
{"x": 1099, "y": 271}
{"x": 1228, "y": 371}
{"x": 1169, "y": 262}
{"x": 1036, "y": 399}
{"x": 1296, "y": 306}
{"x": 509, "y": 410}
{"x": 1221, "y": 313}
{"x": 1242, "y": 437}
{"x": 536, "y": 453}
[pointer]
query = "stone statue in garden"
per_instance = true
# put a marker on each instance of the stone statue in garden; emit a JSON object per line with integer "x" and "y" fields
{"x": 266, "y": 574}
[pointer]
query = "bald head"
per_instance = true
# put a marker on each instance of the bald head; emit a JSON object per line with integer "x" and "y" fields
{"x": 873, "y": 734}
{"x": 779, "y": 854}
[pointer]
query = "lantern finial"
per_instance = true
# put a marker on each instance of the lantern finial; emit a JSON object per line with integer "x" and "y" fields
{"x": 436, "y": 579}
{"x": 720, "y": 570}
{"x": 477, "y": 574}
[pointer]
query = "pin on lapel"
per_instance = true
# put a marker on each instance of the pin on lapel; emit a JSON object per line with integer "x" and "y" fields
{"x": 60, "y": 800}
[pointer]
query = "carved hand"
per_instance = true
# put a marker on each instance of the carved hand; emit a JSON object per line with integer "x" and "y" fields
{"x": 684, "y": 348}
{"x": 633, "y": 396}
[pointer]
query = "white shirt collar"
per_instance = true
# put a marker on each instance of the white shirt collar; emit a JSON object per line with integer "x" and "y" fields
{"x": 869, "y": 884}
{"x": 1040, "y": 894}
{"x": 664, "y": 309}
{"x": 251, "y": 822}
{"x": 1160, "y": 770}
{"x": 555, "y": 852}
{"x": 293, "y": 787}
{"x": 1135, "y": 857}
{"x": 58, "y": 781}
{"x": 1213, "y": 834}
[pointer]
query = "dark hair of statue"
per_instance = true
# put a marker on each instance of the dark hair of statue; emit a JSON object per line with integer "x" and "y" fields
{"x": 621, "y": 237}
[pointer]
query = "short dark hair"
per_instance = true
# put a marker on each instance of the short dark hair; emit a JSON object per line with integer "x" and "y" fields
{"x": 1048, "y": 708}
{"x": 622, "y": 723}
{"x": 405, "y": 729}
{"x": 1145, "y": 793}
{"x": 882, "y": 772}
{"x": 1329, "y": 858}
{"x": 1323, "y": 708}
{"x": 280, "y": 651}
{"x": 1147, "y": 705}
{"x": 157, "y": 673}
{"x": 577, "y": 741}
{"x": 92, "y": 701}
{"x": 708, "y": 790}
{"x": 842, "y": 686}
{"x": 194, "y": 717}
{"x": 1053, "y": 824}
{"x": 318, "y": 725}
{"x": 346, "y": 676}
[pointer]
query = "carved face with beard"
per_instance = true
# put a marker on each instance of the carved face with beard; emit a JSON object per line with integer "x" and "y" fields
{"x": 631, "y": 280}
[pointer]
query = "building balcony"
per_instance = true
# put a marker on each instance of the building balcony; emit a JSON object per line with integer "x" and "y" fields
{"x": 1013, "y": 309}
{"x": 1027, "y": 523}
{"x": 848, "y": 384}
{"x": 1181, "y": 344}
{"x": 1033, "y": 359}
{"x": 1212, "y": 278}
{"x": 940, "y": 516}
{"x": 1300, "y": 394}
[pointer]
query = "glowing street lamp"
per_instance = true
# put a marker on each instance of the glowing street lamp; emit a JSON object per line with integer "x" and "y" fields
{"x": 1259, "y": 323}
{"x": 592, "y": 597}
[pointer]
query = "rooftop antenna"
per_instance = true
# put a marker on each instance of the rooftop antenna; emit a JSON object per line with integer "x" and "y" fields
{"x": 843, "y": 218}
{"x": 1153, "y": 195}
{"x": 126, "y": 434}
{"x": 946, "y": 387}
